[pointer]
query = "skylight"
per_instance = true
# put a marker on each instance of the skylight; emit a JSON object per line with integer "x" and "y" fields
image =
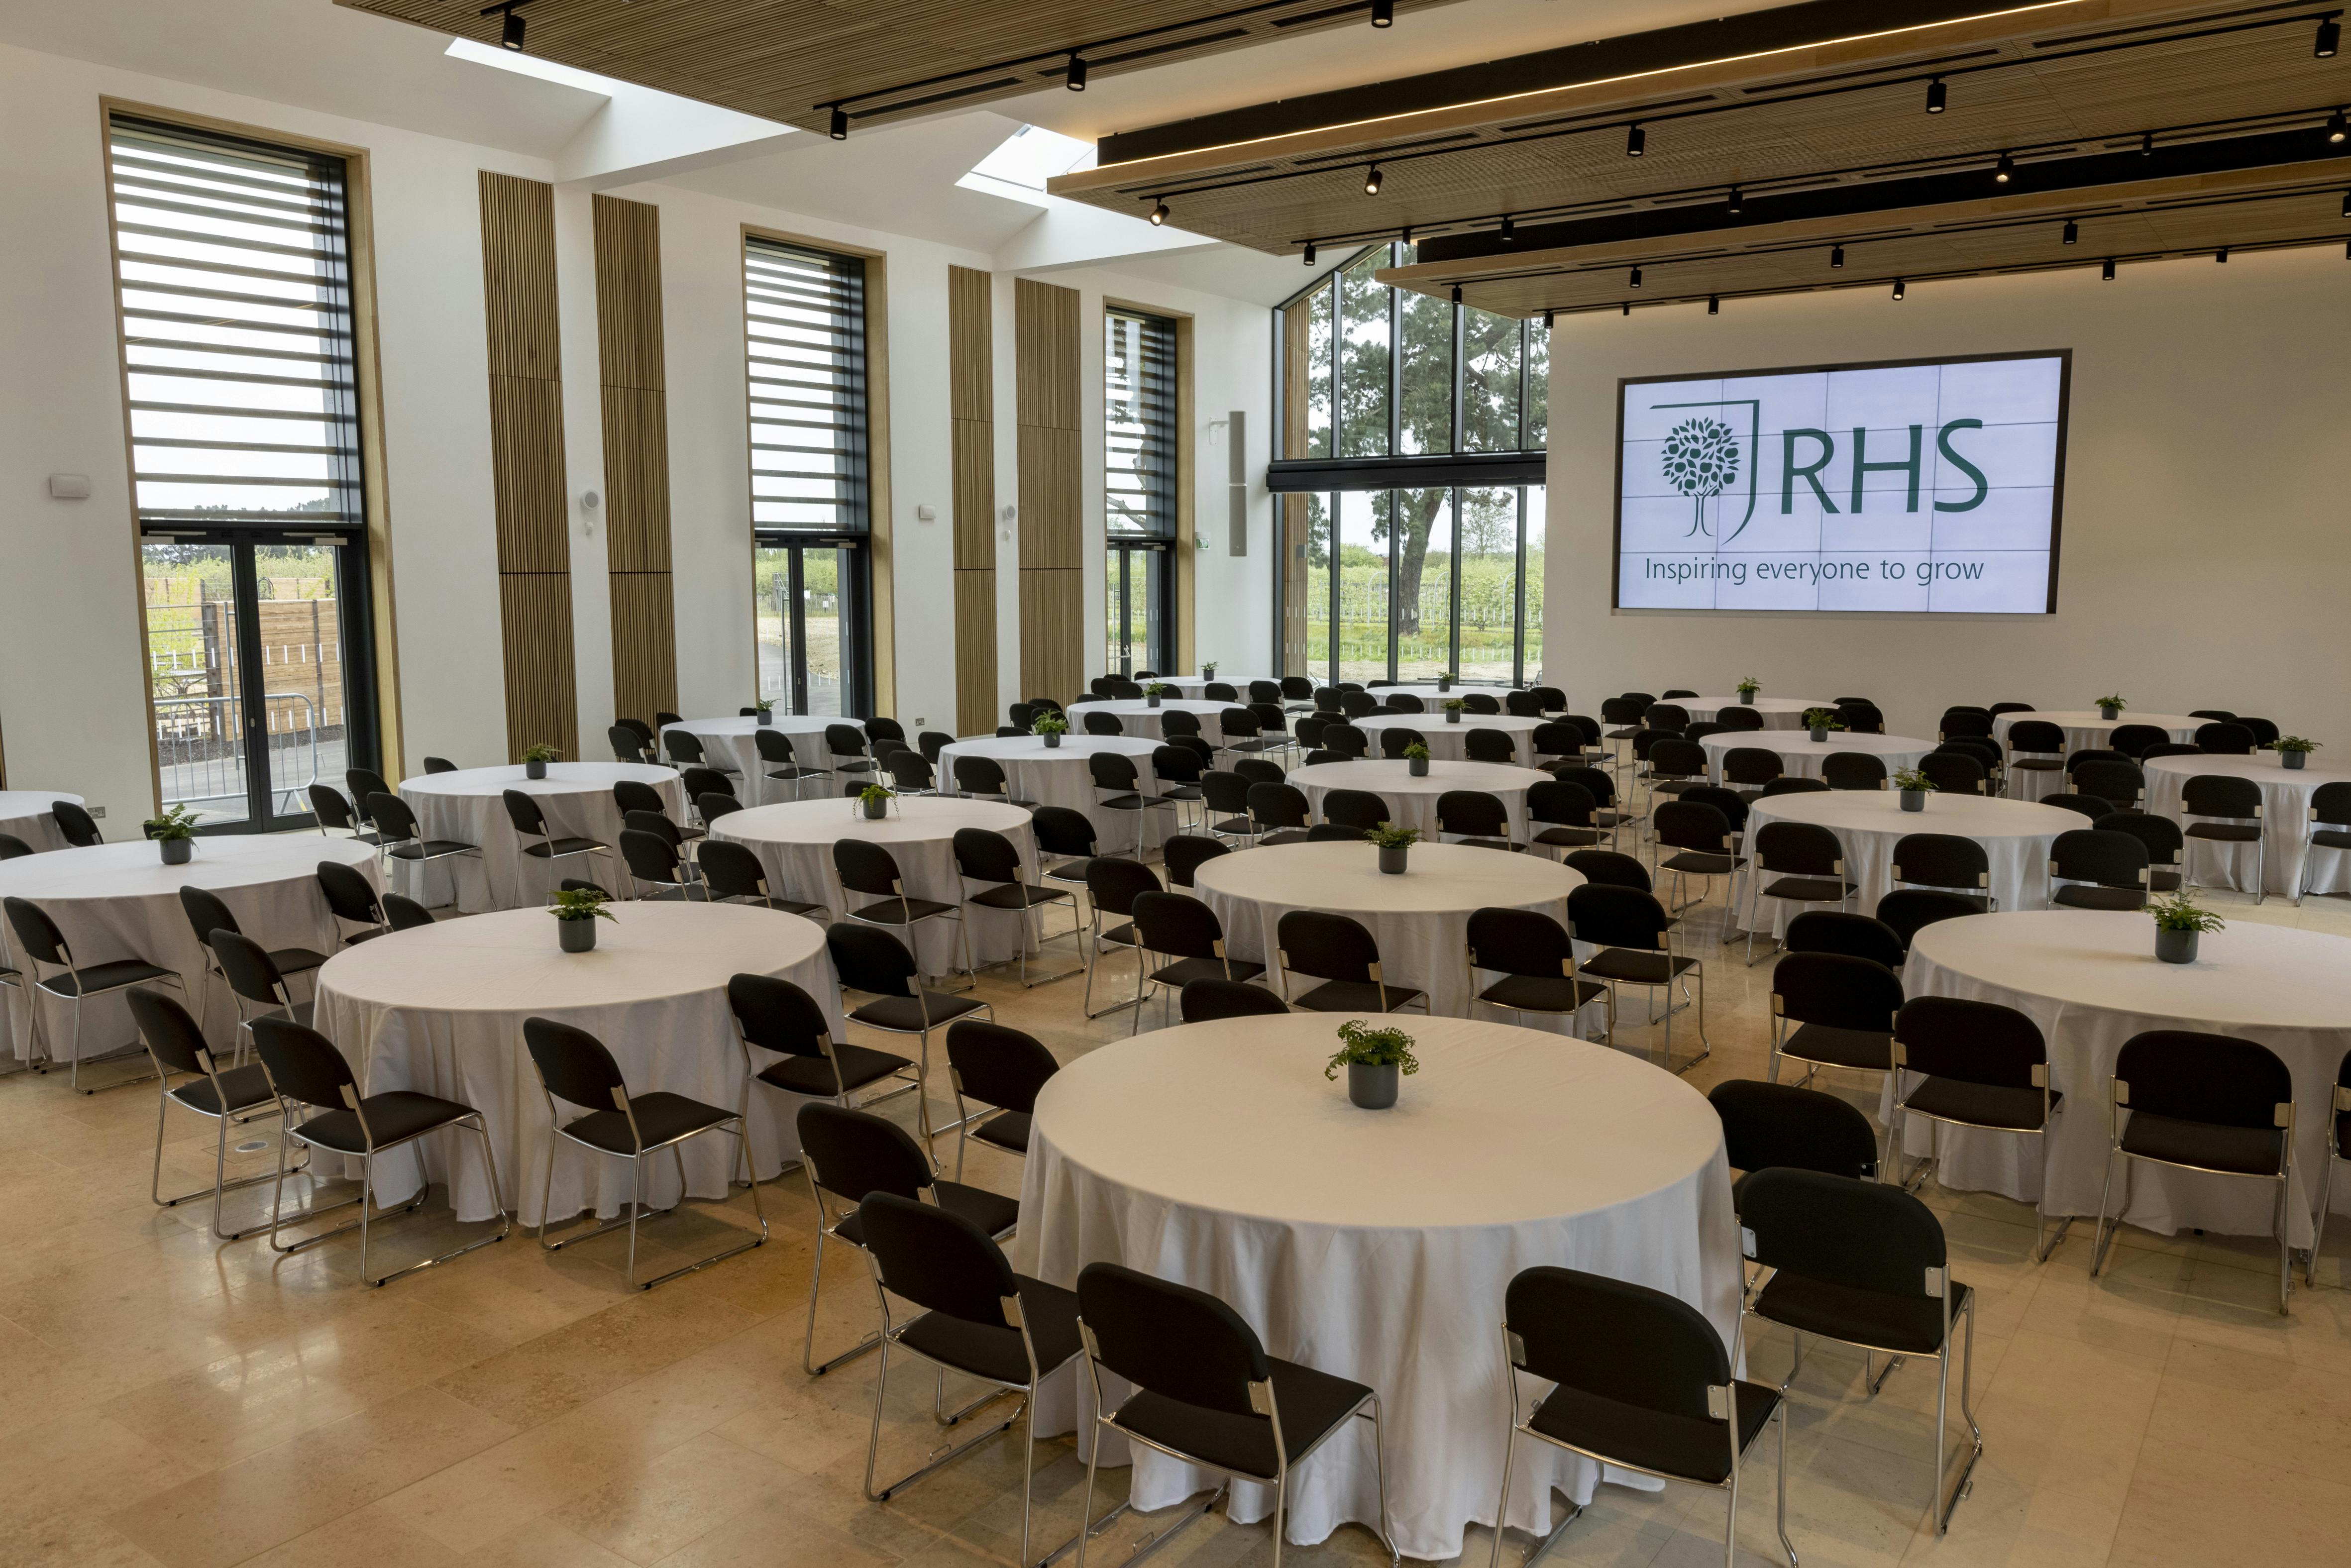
{"x": 1032, "y": 155}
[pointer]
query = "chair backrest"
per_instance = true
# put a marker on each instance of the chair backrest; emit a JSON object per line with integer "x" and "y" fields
{"x": 730, "y": 870}
{"x": 1774, "y": 1126}
{"x": 172, "y": 1036}
{"x": 1970, "y": 1042}
{"x": 1490, "y": 746}
{"x": 1615, "y": 916}
{"x": 1520, "y": 942}
{"x": 1729, "y": 802}
{"x": 931, "y": 742}
{"x": 1864, "y": 1235}
{"x": 439, "y": 765}
{"x": 2118, "y": 781}
{"x": 1112, "y": 771}
{"x": 644, "y": 731}
{"x": 326, "y": 803}
{"x": 350, "y": 896}
{"x": 1277, "y": 805}
{"x": 205, "y": 912}
{"x": 304, "y": 1065}
{"x": 1173, "y": 764}
{"x": 700, "y": 781}
{"x": 1481, "y": 702}
{"x": 1114, "y": 883}
{"x": 1396, "y": 738}
{"x": 1224, "y": 791}
{"x": 524, "y": 813}
{"x": 1296, "y": 688}
{"x": 1103, "y": 723}
{"x": 1171, "y": 1340}
{"x": 664, "y": 720}
{"x": 650, "y": 857}
{"x": 853, "y": 1155}
{"x": 1558, "y": 738}
{"x": 1966, "y": 721}
{"x": 1595, "y": 781}
{"x": 1358, "y": 809}
{"x": 2220, "y": 795}
{"x": 773, "y": 746}
{"x": 2090, "y": 806}
{"x": 1606, "y": 868}
{"x": 2161, "y": 835}
{"x": 1561, "y": 802}
{"x": 1405, "y": 702}
{"x": 1907, "y": 909}
{"x": 403, "y": 913}
{"x": 1832, "y": 989}
{"x": 1794, "y": 784}
{"x": 936, "y": 1258}
{"x": 13, "y": 848}
{"x": 75, "y": 825}
{"x": 1621, "y": 710}
{"x": 574, "y": 1065}
{"x": 1854, "y": 771}
{"x": 1841, "y": 931}
{"x": 636, "y": 795}
{"x": 844, "y": 740}
{"x": 983, "y": 854}
{"x": 999, "y": 1066}
{"x": 682, "y": 745}
{"x": 2037, "y": 736}
{"x": 868, "y": 958}
{"x": 1061, "y": 830}
{"x": 1952, "y": 772}
{"x": 2265, "y": 731}
{"x": 1941, "y": 860}
{"x": 774, "y": 1014}
{"x": 362, "y": 785}
{"x": 252, "y": 974}
{"x": 866, "y": 867}
{"x": 1521, "y": 705}
{"x": 1738, "y": 716}
{"x": 656, "y": 824}
{"x": 1185, "y": 854}
{"x": 1206, "y": 1001}
{"x": 1472, "y": 813}
{"x": 2225, "y": 739}
{"x": 2330, "y": 805}
{"x": 909, "y": 770}
{"x": 977, "y": 775}
{"x": 1325, "y": 945}
{"x": 2131, "y": 739}
{"x": 2092, "y": 854}
{"x": 1358, "y": 704}
{"x": 1612, "y": 1340}
{"x": 1799, "y": 849}
{"x": 881, "y": 728}
{"x": 2216, "y": 1079}
{"x": 392, "y": 817}
{"x": 1987, "y": 753}
{"x": 1861, "y": 718}
{"x": 1999, "y": 708}
{"x": 1346, "y": 740}
{"x": 1666, "y": 715}
{"x": 1693, "y": 825}
{"x": 627, "y": 745}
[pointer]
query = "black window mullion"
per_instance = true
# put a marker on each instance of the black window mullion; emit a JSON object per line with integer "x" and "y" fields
{"x": 1395, "y": 364}
{"x": 1519, "y": 605}
{"x": 1453, "y": 592}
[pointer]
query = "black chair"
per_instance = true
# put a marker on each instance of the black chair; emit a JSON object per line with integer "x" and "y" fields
{"x": 1666, "y": 715}
{"x": 1557, "y": 741}
{"x": 731, "y": 874}
{"x": 2090, "y": 868}
{"x": 628, "y": 746}
{"x": 439, "y": 765}
{"x": 1561, "y": 815}
{"x": 2225, "y": 739}
{"x": 175, "y": 1043}
{"x": 1176, "y": 770}
{"x": 1854, "y": 771}
{"x": 774, "y": 1016}
{"x": 2338, "y": 1149}
{"x": 1673, "y": 764}
{"x": 1861, "y": 718}
{"x": 1625, "y": 714}
{"x": 1751, "y": 769}
{"x": 40, "y": 943}
{"x": 634, "y": 795}
{"x": 1477, "y": 820}
{"x": 1829, "y": 1010}
{"x": 363, "y": 784}
{"x": 2118, "y": 782}
{"x": 1395, "y": 739}
{"x": 13, "y": 848}
{"x": 2090, "y": 806}
{"x": 1342, "y": 954}
{"x": 1907, "y": 909}
{"x": 2163, "y": 842}
{"x": 781, "y": 762}
{"x": 1737, "y": 716}
{"x": 1966, "y": 721}
{"x": 2330, "y": 828}
{"x": 1495, "y": 745}
{"x": 1210, "y": 1000}
{"x": 1954, "y": 772}
{"x": 1808, "y": 864}
{"x": 982, "y": 778}
{"x": 997, "y": 1066}
{"x": 1186, "y": 933}
{"x": 305, "y": 1068}
{"x": 910, "y": 771}
{"x": 664, "y": 720}
{"x": 1784, "y": 1126}
{"x": 351, "y": 898}
{"x": 2207, "y": 1102}
{"x": 1602, "y": 788}
{"x": 1405, "y": 702}
{"x": 1206, "y": 1393}
{"x": 1640, "y": 1380}
{"x": 75, "y": 825}
{"x": 2217, "y": 715}
{"x": 686, "y": 749}
{"x": 985, "y": 855}
{"x": 870, "y": 870}
{"x": 1864, "y": 1263}
{"x": 2035, "y": 746}
{"x": 713, "y": 804}
{"x": 1298, "y": 694}
{"x": 1061, "y": 831}
{"x": 1945, "y": 860}
{"x": 643, "y": 731}
{"x": 1521, "y": 705}
{"x": 1987, "y": 755}
{"x": 1346, "y": 740}
{"x": 1278, "y": 814}
{"x": 2221, "y": 810}
{"x": 1118, "y": 788}
{"x": 403, "y": 840}
{"x": 652, "y": 860}
{"x": 1608, "y": 868}
{"x": 1481, "y": 702}
{"x": 845, "y": 750}
{"x": 1629, "y": 927}
{"x": 1358, "y": 810}
{"x": 849, "y": 1157}
{"x": 1701, "y": 835}
{"x": 1841, "y": 931}
{"x": 868, "y": 958}
{"x": 1976, "y": 1065}
{"x": 207, "y": 914}
{"x": 1997, "y": 709}
{"x": 575, "y": 1067}
{"x": 333, "y": 812}
{"x": 2133, "y": 740}
{"x": 404, "y": 914}
{"x": 1795, "y": 786}
{"x": 698, "y": 781}
{"x": 1531, "y": 953}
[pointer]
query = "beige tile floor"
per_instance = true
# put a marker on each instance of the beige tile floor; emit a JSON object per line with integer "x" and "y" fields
{"x": 169, "y": 1399}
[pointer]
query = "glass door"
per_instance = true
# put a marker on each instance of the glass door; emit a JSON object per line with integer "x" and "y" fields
{"x": 807, "y": 603}
{"x": 251, "y": 674}
{"x": 1134, "y": 618}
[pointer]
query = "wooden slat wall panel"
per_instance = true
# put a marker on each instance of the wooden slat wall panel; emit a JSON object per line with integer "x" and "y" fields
{"x": 1053, "y": 464}
{"x": 971, "y": 382}
{"x": 1045, "y": 339}
{"x": 528, "y": 487}
{"x": 1052, "y": 564}
{"x": 629, "y": 344}
{"x": 1053, "y": 650}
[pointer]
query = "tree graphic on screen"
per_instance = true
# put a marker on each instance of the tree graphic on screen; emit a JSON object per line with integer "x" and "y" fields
{"x": 1701, "y": 461}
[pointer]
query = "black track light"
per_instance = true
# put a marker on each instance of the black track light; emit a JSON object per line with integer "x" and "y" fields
{"x": 2346, "y": 204}
{"x": 2330, "y": 40}
{"x": 1714, "y": 305}
{"x": 1383, "y": 13}
{"x": 1628, "y": 307}
{"x": 1457, "y": 294}
{"x": 510, "y": 30}
{"x": 1938, "y": 96}
{"x": 1159, "y": 215}
{"x": 2146, "y": 144}
{"x": 1735, "y": 203}
{"x": 1404, "y": 234}
{"x": 2004, "y": 170}
{"x": 2339, "y": 127}
{"x": 1309, "y": 253}
{"x": 1836, "y": 256}
{"x": 1637, "y": 141}
{"x": 1547, "y": 319}
{"x": 2107, "y": 271}
{"x": 1372, "y": 181}
{"x": 2221, "y": 255}
{"x": 1898, "y": 288}
{"x": 1510, "y": 229}
{"x": 839, "y": 129}
{"x": 1076, "y": 79}
{"x": 2072, "y": 232}
{"x": 1635, "y": 279}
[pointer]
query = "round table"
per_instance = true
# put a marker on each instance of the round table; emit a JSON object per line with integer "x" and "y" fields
{"x": 794, "y": 842}
{"x": 2086, "y": 731}
{"x": 120, "y": 901}
{"x": 735, "y": 742}
{"x": 1136, "y": 716}
{"x": 2015, "y": 836}
{"x": 2285, "y": 821}
{"x": 469, "y": 806}
{"x": 2090, "y": 980}
{"x": 1420, "y": 920}
{"x": 1779, "y": 712}
{"x": 25, "y": 814}
{"x": 1429, "y": 692}
{"x": 440, "y": 1010}
{"x": 1412, "y": 802}
{"x": 1801, "y": 758}
{"x": 1376, "y": 1245}
{"x": 1451, "y": 741}
{"x": 1191, "y": 686}
{"x": 1062, "y": 775}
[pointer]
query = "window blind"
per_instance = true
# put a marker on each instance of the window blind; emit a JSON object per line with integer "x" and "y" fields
{"x": 1139, "y": 424}
{"x": 804, "y": 312}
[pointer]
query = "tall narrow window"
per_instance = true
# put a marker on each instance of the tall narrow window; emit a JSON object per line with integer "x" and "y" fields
{"x": 233, "y": 271}
{"x": 1138, "y": 490}
{"x": 805, "y": 334}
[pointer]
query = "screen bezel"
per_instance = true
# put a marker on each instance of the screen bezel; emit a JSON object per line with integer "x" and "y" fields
{"x": 2064, "y": 357}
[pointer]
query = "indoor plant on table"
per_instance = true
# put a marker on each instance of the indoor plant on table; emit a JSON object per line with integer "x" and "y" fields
{"x": 1208, "y": 670}
{"x": 1157, "y": 690}
{"x": 2294, "y": 750}
{"x": 1395, "y": 844}
{"x": 1049, "y": 726}
{"x": 175, "y": 833}
{"x": 2111, "y": 708}
{"x": 1453, "y": 708}
{"x": 1819, "y": 721}
{"x": 575, "y": 912}
{"x": 1376, "y": 1058}
{"x": 1415, "y": 759}
{"x": 1747, "y": 690}
{"x": 2178, "y": 924}
{"x": 763, "y": 711}
{"x": 536, "y": 759}
{"x": 875, "y": 799}
{"x": 1914, "y": 787}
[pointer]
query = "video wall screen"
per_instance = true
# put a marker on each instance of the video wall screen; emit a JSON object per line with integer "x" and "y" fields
{"x": 1923, "y": 487}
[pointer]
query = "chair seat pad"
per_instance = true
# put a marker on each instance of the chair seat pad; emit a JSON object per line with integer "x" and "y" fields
{"x": 1699, "y": 862}
{"x": 1184, "y": 971}
{"x": 661, "y": 1118}
{"x": 995, "y": 1352}
{"x": 1017, "y": 895}
{"x": 391, "y": 1116}
{"x": 430, "y": 849}
{"x": 2037, "y": 764}
{"x": 813, "y": 1074}
{"x": 1286, "y": 836}
{"x": 781, "y": 905}
{"x": 1809, "y": 889}
{"x": 1133, "y": 802}
{"x": 1653, "y": 1439}
{"x": 2161, "y": 881}
{"x": 1541, "y": 993}
{"x": 2246, "y": 1151}
{"x": 547, "y": 849}
{"x": 1311, "y": 1403}
{"x": 2090, "y": 895}
{"x": 1870, "y": 1049}
{"x": 1981, "y": 1104}
{"x": 1492, "y": 844}
{"x": 1006, "y": 1130}
{"x": 2330, "y": 839}
{"x": 905, "y": 1014}
{"x": 1912, "y": 1326}
{"x": 2225, "y": 833}
{"x": 1635, "y": 965}
{"x": 991, "y": 1211}
{"x": 790, "y": 771}
{"x": 900, "y": 911}
{"x": 1069, "y": 870}
{"x": 1180, "y": 792}
{"x": 294, "y": 960}
{"x": 1570, "y": 837}
{"x": 245, "y": 1086}
{"x": 109, "y": 976}
{"x": 1354, "y": 997}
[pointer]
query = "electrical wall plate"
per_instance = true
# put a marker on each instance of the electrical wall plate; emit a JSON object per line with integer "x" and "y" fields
{"x": 69, "y": 486}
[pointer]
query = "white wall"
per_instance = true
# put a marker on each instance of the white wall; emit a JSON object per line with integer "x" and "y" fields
{"x": 2205, "y": 546}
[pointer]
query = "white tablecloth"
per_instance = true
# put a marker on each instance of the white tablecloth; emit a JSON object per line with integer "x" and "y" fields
{"x": 440, "y": 1009}
{"x": 1377, "y": 1245}
{"x": 2091, "y": 981}
{"x": 1451, "y": 741}
{"x": 794, "y": 842}
{"x": 1190, "y": 686}
{"x": 735, "y": 742}
{"x": 25, "y": 814}
{"x": 1431, "y": 694}
{"x": 2285, "y": 821}
{"x": 1779, "y": 712}
{"x": 2015, "y": 836}
{"x": 1136, "y": 716}
{"x": 2086, "y": 731}
{"x": 120, "y": 901}
{"x": 1412, "y": 802}
{"x": 469, "y": 806}
{"x": 1801, "y": 758}
{"x": 1062, "y": 775}
{"x": 1420, "y": 920}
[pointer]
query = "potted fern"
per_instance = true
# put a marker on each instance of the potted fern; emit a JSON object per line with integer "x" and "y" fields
{"x": 536, "y": 759}
{"x": 765, "y": 711}
{"x": 1049, "y": 726}
{"x": 1819, "y": 721}
{"x": 1376, "y": 1057}
{"x": 2111, "y": 708}
{"x": 175, "y": 833}
{"x": 1208, "y": 670}
{"x": 1445, "y": 680}
{"x": 875, "y": 799}
{"x": 1416, "y": 760}
{"x": 1394, "y": 845}
{"x": 575, "y": 912}
{"x": 1154, "y": 692}
{"x": 1914, "y": 787}
{"x": 1747, "y": 690}
{"x": 1453, "y": 708}
{"x": 2178, "y": 924}
{"x": 2292, "y": 750}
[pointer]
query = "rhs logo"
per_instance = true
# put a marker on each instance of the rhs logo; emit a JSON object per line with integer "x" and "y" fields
{"x": 1706, "y": 457}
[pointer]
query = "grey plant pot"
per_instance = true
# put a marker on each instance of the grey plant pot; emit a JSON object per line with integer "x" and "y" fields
{"x": 1453, "y": 715}
{"x": 875, "y": 809}
{"x": 1818, "y": 736}
{"x": 1444, "y": 682}
{"x": 2292, "y": 758}
{"x": 176, "y": 852}
{"x": 1150, "y": 702}
{"x": 534, "y": 769}
{"x": 1416, "y": 767}
{"x": 1392, "y": 857}
{"x": 1373, "y": 1086}
{"x": 576, "y": 935}
{"x": 1746, "y": 698}
{"x": 1914, "y": 799}
{"x": 1053, "y": 741}
{"x": 766, "y": 718}
{"x": 2109, "y": 714}
{"x": 2175, "y": 946}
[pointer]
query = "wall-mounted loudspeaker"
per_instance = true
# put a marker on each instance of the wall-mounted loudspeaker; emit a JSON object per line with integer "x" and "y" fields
{"x": 1237, "y": 453}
